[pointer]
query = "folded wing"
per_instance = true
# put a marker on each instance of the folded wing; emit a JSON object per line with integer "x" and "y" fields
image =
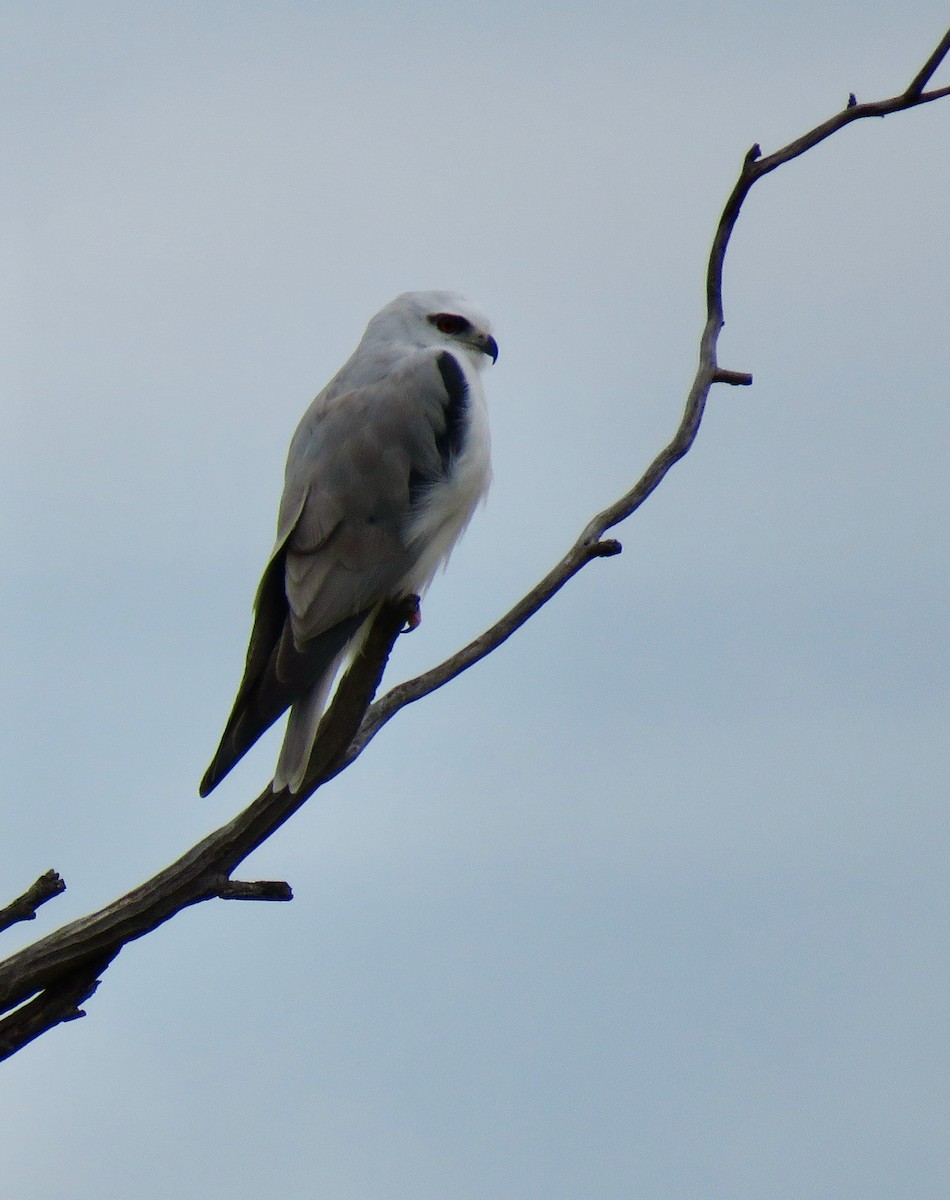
{"x": 361, "y": 464}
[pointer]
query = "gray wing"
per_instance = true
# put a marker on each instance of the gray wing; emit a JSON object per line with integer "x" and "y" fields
{"x": 359, "y": 464}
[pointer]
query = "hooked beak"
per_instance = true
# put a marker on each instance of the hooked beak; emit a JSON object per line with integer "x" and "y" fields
{"x": 490, "y": 347}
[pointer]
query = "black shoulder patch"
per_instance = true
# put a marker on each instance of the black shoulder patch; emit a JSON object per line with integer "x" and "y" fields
{"x": 451, "y": 442}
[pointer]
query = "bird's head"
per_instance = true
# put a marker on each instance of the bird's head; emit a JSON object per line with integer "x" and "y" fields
{"x": 444, "y": 320}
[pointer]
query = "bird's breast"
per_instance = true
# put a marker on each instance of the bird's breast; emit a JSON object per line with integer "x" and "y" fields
{"x": 449, "y": 502}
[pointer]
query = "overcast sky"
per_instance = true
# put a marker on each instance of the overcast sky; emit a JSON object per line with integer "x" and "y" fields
{"x": 652, "y": 903}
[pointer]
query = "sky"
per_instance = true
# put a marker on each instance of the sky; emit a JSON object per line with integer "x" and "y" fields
{"x": 650, "y": 903}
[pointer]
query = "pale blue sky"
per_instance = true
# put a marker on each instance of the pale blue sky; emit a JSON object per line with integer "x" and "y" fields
{"x": 653, "y": 902}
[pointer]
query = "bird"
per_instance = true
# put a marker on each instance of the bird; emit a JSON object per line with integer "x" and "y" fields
{"x": 383, "y": 475}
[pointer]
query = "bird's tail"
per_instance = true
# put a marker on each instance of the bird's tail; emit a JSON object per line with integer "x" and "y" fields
{"x": 302, "y": 726}
{"x": 305, "y": 716}
{"x": 297, "y": 677}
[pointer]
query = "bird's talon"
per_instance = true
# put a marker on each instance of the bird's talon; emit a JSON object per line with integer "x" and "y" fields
{"x": 414, "y": 618}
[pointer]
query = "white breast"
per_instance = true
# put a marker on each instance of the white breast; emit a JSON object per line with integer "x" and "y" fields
{"x": 449, "y": 505}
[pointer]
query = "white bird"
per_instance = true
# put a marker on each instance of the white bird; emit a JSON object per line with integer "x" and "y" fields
{"x": 384, "y": 472}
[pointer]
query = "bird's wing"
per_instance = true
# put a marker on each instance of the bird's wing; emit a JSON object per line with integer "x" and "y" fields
{"x": 359, "y": 463}
{"x": 368, "y": 456}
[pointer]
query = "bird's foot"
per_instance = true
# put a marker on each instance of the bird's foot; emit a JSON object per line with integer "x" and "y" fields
{"x": 413, "y": 614}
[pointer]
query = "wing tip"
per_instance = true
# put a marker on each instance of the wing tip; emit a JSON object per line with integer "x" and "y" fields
{"x": 220, "y": 766}
{"x": 209, "y": 781}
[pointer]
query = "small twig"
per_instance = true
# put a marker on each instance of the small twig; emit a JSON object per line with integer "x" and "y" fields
{"x": 23, "y": 908}
{"x": 927, "y": 71}
{"x": 607, "y": 548}
{"x": 263, "y": 889}
{"x": 735, "y": 378}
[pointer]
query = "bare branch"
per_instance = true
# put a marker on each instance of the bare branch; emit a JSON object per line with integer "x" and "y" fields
{"x": 61, "y": 970}
{"x": 58, "y": 1003}
{"x": 45, "y": 984}
{"x": 708, "y": 372}
{"x": 927, "y": 71}
{"x": 263, "y": 889}
{"x": 23, "y": 908}
{"x": 735, "y": 378}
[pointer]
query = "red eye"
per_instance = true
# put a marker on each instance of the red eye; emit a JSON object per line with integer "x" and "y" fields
{"x": 450, "y": 323}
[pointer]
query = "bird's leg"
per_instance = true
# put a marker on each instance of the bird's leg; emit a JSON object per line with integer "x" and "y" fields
{"x": 413, "y": 614}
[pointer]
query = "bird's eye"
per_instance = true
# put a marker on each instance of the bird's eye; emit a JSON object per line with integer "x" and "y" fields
{"x": 450, "y": 323}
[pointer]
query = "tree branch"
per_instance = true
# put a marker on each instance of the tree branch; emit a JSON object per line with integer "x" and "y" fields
{"x": 44, "y": 984}
{"x": 58, "y": 1003}
{"x": 23, "y": 908}
{"x": 60, "y": 971}
{"x": 708, "y": 372}
{"x": 263, "y": 889}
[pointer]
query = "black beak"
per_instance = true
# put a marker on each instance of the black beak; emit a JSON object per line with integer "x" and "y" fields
{"x": 490, "y": 348}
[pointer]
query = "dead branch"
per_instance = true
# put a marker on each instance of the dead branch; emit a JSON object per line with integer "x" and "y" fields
{"x": 45, "y": 984}
{"x": 23, "y": 908}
